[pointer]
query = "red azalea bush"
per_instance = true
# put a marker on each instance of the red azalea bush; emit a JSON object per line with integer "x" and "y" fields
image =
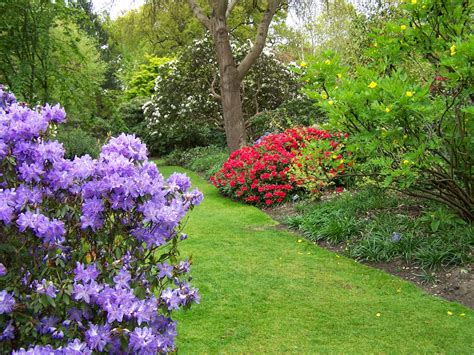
{"x": 260, "y": 174}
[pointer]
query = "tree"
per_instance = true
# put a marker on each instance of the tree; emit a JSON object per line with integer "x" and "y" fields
{"x": 45, "y": 56}
{"x": 25, "y": 46}
{"x": 231, "y": 73}
{"x": 215, "y": 17}
{"x": 184, "y": 112}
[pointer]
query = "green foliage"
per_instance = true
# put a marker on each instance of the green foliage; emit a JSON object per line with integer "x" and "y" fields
{"x": 320, "y": 164}
{"x": 131, "y": 113}
{"x": 160, "y": 30}
{"x": 46, "y": 57}
{"x": 78, "y": 143}
{"x": 142, "y": 81}
{"x": 380, "y": 227}
{"x": 78, "y": 72}
{"x": 206, "y": 160}
{"x": 183, "y": 111}
{"x": 299, "y": 111}
{"x": 409, "y": 111}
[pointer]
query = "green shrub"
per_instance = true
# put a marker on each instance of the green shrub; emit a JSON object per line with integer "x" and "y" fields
{"x": 409, "y": 110}
{"x": 78, "y": 143}
{"x": 207, "y": 160}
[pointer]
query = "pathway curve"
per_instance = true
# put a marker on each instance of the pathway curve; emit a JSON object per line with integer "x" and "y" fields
{"x": 264, "y": 290}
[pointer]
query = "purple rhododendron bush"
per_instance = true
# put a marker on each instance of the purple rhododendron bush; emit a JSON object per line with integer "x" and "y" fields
{"x": 88, "y": 248}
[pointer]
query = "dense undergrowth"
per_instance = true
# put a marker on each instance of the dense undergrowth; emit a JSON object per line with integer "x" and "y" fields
{"x": 379, "y": 226}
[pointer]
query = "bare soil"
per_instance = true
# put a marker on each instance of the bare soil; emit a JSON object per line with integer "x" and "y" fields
{"x": 454, "y": 284}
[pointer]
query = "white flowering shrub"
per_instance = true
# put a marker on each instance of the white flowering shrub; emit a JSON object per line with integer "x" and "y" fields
{"x": 183, "y": 112}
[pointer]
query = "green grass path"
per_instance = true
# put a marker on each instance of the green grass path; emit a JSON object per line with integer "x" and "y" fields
{"x": 262, "y": 291}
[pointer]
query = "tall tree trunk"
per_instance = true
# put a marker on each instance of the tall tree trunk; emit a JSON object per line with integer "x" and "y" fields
{"x": 230, "y": 83}
{"x": 232, "y": 109}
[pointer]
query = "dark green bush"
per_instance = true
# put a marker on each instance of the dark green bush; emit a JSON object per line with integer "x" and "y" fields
{"x": 78, "y": 142}
{"x": 207, "y": 160}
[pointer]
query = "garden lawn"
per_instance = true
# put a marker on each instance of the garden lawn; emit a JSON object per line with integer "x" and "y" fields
{"x": 264, "y": 289}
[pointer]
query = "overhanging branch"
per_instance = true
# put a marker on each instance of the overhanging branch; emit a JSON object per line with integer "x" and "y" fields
{"x": 260, "y": 39}
{"x": 200, "y": 15}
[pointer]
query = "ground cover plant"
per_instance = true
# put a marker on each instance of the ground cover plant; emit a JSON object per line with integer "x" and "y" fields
{"x": 379, "y": 226}
{"x": 271, "y": 170}
{"x": 88, "y": 247}
{"x": 266, "y": 290}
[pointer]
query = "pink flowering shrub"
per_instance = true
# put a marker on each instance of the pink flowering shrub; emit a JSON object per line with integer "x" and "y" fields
{"x": 88, "y": 248}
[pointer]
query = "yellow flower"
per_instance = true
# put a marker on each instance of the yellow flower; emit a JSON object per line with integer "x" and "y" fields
{"x": 453, "y": 49}
{"x": 339, "y": 75}
{"x": 334, "y": 156}
{"x": 330, "y": 102}
{"x": 388, "y": 109}
{"x": 303, "y": 64}
{"x": 300, "y": 240}
{"x": 409, "y": 93}
{"x": 462, "y": 314}
{"x": 324, "y": 95}
{"x": 327, "y": 62}
{"x": 378, "y": 314}
{"x": 406, "y": 162}
{"x": 376, "y": 44}
{"x": 341, "y": 161}
{"x": 413, "y": 2}
{"x": 403, "y": 27}
{"x": 450, "y": 313}
{"x": 372, "y": 85}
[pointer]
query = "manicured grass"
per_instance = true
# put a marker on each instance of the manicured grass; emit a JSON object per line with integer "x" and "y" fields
{"x": 264, "y": 289}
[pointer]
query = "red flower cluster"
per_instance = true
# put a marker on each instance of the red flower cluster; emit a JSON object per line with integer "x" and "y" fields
{"x": 259, "y": 174}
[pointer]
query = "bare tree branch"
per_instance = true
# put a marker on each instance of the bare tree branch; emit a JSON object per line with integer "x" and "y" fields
{"x": 197, "y": 11}
{"x": 212, "y": 89}
{"x": 230, "y": 7}
{"x": 260, "y": 39}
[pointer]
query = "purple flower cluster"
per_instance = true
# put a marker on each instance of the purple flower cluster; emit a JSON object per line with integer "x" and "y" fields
{"x": 88, "y": 231}
{"x": 7, "y": 302}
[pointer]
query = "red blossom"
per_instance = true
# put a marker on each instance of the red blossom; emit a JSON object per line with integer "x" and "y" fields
{"x": 260, "y": 174}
